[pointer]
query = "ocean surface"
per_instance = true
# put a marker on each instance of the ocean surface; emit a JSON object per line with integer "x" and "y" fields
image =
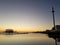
{"x": 28, "y": 39}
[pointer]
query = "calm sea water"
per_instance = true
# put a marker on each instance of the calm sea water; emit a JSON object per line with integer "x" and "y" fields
{"x": 27, "y": 39}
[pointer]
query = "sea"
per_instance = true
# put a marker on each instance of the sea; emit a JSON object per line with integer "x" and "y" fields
{"x": 28, "y": 39}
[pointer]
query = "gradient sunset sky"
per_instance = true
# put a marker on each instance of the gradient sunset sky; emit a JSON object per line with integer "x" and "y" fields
{"x": 28, "y": 15}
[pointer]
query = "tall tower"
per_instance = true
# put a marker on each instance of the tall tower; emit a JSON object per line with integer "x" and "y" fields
{"x": 53, "y": 18}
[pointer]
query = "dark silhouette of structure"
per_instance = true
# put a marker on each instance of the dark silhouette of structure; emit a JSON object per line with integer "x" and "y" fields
{"x": 52, "y": 31}
{"x": 9, "y": 31}
{"x": 57, "y": 28}
{"x": 53, "y": 17}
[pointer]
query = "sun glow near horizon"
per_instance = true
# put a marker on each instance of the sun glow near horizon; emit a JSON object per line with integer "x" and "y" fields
{"x": 26, "y": 29}
{"x": 27, "y": 15}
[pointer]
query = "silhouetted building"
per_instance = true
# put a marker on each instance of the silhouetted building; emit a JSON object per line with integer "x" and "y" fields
{"x": 57, "y": 28}
{"x": 9, "y": 31}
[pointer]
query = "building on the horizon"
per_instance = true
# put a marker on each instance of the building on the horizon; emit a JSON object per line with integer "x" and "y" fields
{"x": 9, "y": 31}
{"x": 57, "y": 28}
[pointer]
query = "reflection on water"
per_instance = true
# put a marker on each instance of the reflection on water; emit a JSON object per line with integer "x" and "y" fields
{"x": 56, "y": 38}
{"x": 26, "y": 39}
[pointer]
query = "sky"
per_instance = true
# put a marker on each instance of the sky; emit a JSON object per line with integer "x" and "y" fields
{"x": 28, "y": 15}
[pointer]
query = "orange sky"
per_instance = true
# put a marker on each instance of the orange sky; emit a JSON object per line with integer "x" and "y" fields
{"x": 27, "y": 29}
